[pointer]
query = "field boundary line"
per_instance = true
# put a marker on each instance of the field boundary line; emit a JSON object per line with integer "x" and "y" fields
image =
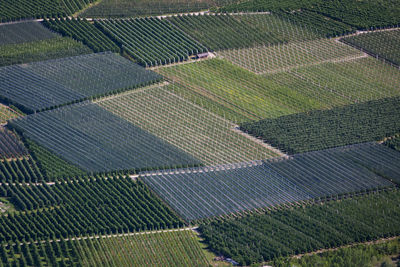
{"x": 194, "y": 229}
{"x": 129, "y": 92}
{"x": 280, "y": 153}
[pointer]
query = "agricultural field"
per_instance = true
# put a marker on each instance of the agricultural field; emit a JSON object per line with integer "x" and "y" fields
{"x": 83, "y": 31}
{"x": 12, "y": 10}
{"x": 219, "y": 32}
{"x": 266, "y": 184}
{"x": 196, "y": 131}
{"x": 88, "y": 206}
{"x": 321, "y": 129}
{"x": 139, "y": 8}
{"x": 151, "y": 41}
{"x": 381, "y": 44}
{"x": 246, "y": 95}
{"x": 24, "y": 32}
{"x": 177, "y": 248}
{"x": 10, "y": 145}
{"x": 42, "y": 85}
{"x": 284, "y": 232}
{"x": 57, "y": 47}
{"x": 96, "y": 140}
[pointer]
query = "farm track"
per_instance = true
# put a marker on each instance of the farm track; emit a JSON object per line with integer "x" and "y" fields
{"x": 116, "y": 235}
{"x": 378, "y": 241}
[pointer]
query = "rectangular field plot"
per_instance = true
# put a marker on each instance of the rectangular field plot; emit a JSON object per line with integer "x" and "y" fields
{"x": 343, "y": 83}
{"x": 10, "y": 145}
{"x": 237, "y": 90}
{"x": 176, "y": 248}
{"x": 383, "y": 44}
{"x": 283, "y": 57}
{"x": 198, "y": 193}
{"x": 97, "y": 140}
{"x": 194, "y": 130}
{"x": 51, "y": 83}
{"x": 41, "y": 50}
{"x": 151, "y": 41}
{"x": 321, "y": 129}
{"x": 23, "y": 32}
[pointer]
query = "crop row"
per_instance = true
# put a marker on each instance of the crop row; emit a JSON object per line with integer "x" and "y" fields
{"x": 198, "y": 193}
{"x": 82, "y": 207}
{"x": 151, "y": 41}
{"x": 84, "y": 31}
{"x": 52, "y": 83}
{"x": 97, "y": 140}
{"x": 25, "y": 9}
{"x": 284, "y": 232}
{"x": 10, "y": 146}
{"x": 320, "y": 129}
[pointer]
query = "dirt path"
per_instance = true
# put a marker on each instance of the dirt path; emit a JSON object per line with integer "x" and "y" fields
{"x": 378, "y": 241}
{"x": 117, "y": 235}
{"x": 362, "y": 32}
